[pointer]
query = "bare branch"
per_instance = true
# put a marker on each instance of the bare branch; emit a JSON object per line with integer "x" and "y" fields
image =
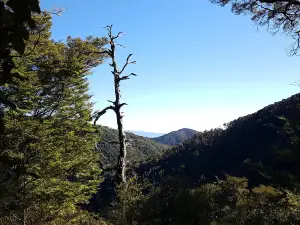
{"x": 113, "y": 102}
{"x": 118, "y": 35}
{"x": 121, "y": 105}
{"x": 99, "y": 114}
{"x": 128, "y": 57}
{"x": 296, "y": 83}
{"x": 100, "y": 53}
{"x": 121, "y": 164}
{"x": 121, "y": 45}
{"x": 124, "y": 78}
{"x": 111, "y": 37}
{"x": 127, "y": 77}
{"x": 126, "y": 64}
{"x": 57, "y": 11}
{"x": 108, "y": 28}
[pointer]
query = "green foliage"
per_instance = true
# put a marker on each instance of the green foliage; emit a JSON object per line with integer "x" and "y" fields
{"x": 48, "y": 165}
{"x": 228, "y": 202}
{"x": 128, "y": 202}
{"x": 140, "y": 149}
{"x": 262, "y": 146}
{"x": 49, "y": 168}
{"x": 15, "y": 22}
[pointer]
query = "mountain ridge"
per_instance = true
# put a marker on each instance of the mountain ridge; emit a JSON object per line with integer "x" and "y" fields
{"x": 260, "y": 146}
{"x": 175, "y": 137}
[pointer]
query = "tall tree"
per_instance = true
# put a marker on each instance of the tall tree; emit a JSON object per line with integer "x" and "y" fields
{"x": 117, "y": 104}
{"x": 277, "y": 15}
{"x": 15, "y": 23}
{"x": 48, "y": 165}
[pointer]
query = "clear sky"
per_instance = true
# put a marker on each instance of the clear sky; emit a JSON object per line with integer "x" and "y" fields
{"x": 199, "y": 65}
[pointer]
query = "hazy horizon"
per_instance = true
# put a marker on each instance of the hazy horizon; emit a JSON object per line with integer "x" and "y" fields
{"x": 198, "y": 65}
{"x": 148, "y": 134}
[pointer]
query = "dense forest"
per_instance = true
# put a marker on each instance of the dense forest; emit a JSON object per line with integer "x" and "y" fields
{"x": 58, "y": 166}
{"x": 262, "y": 146}
{"x": 140, "y": 149}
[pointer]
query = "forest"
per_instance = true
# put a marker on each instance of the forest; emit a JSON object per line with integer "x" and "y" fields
{"x": 59, "y": 166}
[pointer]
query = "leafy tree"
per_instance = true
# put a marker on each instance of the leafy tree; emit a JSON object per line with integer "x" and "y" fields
{"x": 229, "y": 201}
{"x": 284, "y": 168}
{"x": 278, "y": 15}
{"x": 263, "y": 146}
{"x": 15, "y": 23}
{"x": 125, "y": 209}
{"x": 48, "y": 166}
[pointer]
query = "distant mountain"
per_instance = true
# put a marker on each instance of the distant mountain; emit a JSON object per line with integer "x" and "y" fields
{"x": 263, "y": 146}
{"x": 147, "y": 134}
{"x": 176, "y": 137}
{"x": 140, "y": 148}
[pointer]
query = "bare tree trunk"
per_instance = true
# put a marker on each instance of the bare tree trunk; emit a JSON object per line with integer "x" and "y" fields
{"x": 121, "y": 166}
{"x": 117, "y": 104}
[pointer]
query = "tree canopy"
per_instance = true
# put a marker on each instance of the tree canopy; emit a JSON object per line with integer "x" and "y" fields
{"x": 55, "y": 163}
{"x": 49, "y": 164}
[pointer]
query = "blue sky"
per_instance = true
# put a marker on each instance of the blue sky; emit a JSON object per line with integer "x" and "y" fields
{"x": 199, "y": 65}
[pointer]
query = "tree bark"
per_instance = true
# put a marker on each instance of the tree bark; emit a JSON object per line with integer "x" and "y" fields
{"x": 121, "y": 165}
{"x": 117, "y": 104}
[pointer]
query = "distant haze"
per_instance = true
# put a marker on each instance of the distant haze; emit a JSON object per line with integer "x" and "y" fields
{"x": 147, "y": 134}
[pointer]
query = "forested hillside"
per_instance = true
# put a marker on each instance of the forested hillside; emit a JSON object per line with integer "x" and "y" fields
{"x": 59, "y": 167}
{"x": 175, "y": 137}
{"x": 248, "y": 173}
{"x": 48, "y": 162}
{"x": 262, "y": 147}
{"x": 139, "y": 149}
{"x": 255, "y": 150}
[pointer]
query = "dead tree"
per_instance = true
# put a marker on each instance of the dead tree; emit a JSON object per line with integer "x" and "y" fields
{"x": 117, "y": 104}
